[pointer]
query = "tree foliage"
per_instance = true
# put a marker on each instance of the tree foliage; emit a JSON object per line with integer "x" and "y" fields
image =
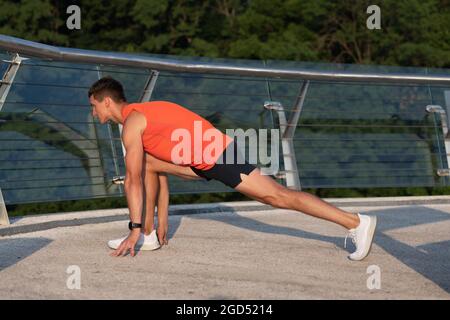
{"x": 413, "y": 32}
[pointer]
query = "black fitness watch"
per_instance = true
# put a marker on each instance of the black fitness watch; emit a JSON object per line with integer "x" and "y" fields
{"x": 132, "y": 225}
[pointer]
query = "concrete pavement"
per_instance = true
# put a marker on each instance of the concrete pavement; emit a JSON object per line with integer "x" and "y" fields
{"x": 233, "y": 251}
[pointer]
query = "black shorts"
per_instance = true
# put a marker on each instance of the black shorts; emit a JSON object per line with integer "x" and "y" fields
{"x": 229, "y": 174}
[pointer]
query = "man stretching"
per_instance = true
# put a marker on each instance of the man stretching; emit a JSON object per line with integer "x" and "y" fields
{"x": 148, "y": 131}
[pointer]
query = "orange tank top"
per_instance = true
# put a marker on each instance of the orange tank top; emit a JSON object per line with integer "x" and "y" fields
{"x": 177, "y": 135}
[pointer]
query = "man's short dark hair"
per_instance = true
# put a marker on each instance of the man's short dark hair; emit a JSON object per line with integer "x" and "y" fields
{"x": 107, "y": 86}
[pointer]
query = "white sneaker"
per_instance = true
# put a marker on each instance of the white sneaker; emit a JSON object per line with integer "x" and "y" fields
{"x": 145, "y": 242}
{"x": 362, "y": 236}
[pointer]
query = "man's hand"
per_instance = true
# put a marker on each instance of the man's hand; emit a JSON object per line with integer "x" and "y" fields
{"x": 128, "y": 244}
{"x": 162, "y": 234}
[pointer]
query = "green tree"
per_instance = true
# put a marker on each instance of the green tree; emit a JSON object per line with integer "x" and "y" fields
{"x": 36, "y": 20}
{"x": 413, "y": 33}
{"x": 279, "y": 30}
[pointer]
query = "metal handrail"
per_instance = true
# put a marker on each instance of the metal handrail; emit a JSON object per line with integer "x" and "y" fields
{"x": 40, "y": 50}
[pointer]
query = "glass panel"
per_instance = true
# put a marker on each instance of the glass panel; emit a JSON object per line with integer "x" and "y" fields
{"x": 3, "y": 66}
{"x": 368, "y": 135}
{"x": 349, "y": 134}
{"x": 51, "y": 146}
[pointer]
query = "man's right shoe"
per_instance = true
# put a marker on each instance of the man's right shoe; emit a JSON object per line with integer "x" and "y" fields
{"x": 362, "y": 236}
{"x": 144, "y": 243}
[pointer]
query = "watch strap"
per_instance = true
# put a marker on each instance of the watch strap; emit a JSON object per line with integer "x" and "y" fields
{"x": 132, "y": 225}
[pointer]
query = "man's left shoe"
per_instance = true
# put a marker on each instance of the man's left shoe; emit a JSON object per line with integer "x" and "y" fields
{"x": 144, "y": 243}
{"x": 362, "y": 236}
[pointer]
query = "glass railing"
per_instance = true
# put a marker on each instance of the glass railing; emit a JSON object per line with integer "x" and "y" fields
{"x": 349, "y": 134}
{"x": 366, "y": 135}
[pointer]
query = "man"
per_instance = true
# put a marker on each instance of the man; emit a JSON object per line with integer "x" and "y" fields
{"x": 148, "y": 132}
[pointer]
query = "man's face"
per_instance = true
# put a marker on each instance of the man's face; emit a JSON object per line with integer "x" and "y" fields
{"x": 99, "y": 109}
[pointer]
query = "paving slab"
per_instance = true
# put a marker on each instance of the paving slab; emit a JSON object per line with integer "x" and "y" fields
{"x": 241, "y": 252}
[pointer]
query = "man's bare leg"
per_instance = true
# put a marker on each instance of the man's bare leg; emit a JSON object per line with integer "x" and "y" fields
{"x": 163, "y": 209}
{"x": 267, "y": 190}
{"x": 157, "y": 165}
{"x": 156, "y": 194}
{"x": 157, "y": 189}
{"x": 151, "y": 187}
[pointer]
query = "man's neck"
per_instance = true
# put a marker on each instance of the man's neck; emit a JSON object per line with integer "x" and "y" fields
{"x": 119, "y": 116}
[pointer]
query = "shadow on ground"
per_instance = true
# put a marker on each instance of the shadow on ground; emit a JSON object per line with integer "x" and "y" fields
{"x": 14, "y": 250}
{"x": 431, "y": 260}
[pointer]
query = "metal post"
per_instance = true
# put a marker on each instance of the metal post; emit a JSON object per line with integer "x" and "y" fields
{"x": 295, "y": 116}
{"x": 442, "y": 172}
{"x": 287, "y": 128}
{"x": 8, "y": 77}
{"x": 5, "y": 86}
{"x": 447, "y": 104}
{"x": 149, "y": 86}
{"x": 4, "y": 220}
{"x": 287, "y": 147}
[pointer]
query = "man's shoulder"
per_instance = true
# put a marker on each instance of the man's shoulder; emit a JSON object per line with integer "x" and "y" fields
{"x": 153, "y": 103}
{"x": 136, "y": 120}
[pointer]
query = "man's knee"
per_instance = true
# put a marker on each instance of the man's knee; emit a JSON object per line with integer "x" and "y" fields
{"x": 150, "y": 160}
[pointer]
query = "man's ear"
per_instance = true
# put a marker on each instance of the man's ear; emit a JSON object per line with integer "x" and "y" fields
{"x": 107, "y": 102}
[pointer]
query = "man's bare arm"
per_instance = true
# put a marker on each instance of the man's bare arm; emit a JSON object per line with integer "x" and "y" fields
{"x": 132, "y": 140}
